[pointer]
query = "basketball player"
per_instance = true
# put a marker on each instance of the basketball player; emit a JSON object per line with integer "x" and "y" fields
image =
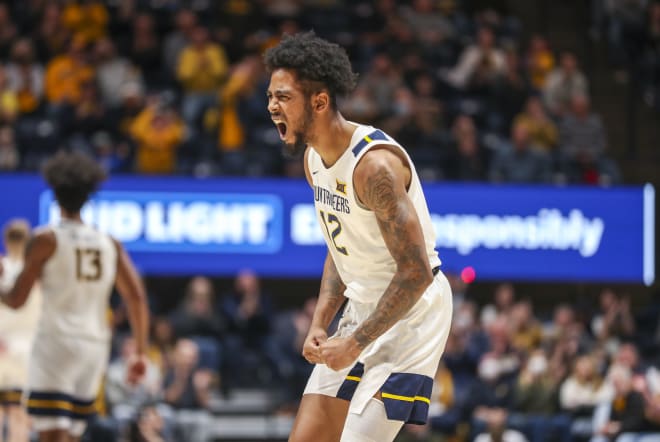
{"x": 76, "y": 266}
{"x": 17, "y": 329}
{"x": 376, "y": 372}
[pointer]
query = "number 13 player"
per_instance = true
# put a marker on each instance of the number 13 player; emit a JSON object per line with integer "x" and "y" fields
{"x": 77, "y": 266}
{"x": 376, "y": 372}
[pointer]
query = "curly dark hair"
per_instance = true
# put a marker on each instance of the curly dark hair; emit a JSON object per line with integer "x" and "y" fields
{"x": 73, "y": 176}
{"x": 317, "y": 63}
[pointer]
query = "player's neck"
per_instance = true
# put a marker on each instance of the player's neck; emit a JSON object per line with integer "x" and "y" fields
{"x": 71, "y": 217}
{"x": 333, "y": 139}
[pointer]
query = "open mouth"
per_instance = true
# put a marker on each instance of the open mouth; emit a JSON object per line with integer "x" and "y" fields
{"x": 281, "y": 128}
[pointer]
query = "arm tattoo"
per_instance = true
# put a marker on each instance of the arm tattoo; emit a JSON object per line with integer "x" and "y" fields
{"x": 331, "y": 294}
{"x": 402, "y": 233}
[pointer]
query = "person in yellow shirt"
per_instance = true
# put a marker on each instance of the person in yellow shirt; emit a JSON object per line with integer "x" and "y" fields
{"x": 201, "y": 68}
{"x": 87, "y": 18}
{"x": 8, "y": 100}
{"x": 540, "y": 61}
{"x": 66, "y": 74}
{"x": 158, "y": 132}
{"x": 543, "y": 132}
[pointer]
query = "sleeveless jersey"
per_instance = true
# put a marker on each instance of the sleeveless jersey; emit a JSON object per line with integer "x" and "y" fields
{"x": 76, "y": 283}
{"x": 351, "y": 231}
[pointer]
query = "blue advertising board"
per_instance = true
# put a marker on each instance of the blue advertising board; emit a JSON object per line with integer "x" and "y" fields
{"x": 180, "y": 226}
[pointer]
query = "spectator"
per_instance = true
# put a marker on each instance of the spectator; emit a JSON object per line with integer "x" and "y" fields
{"x": 8, "y": 31}
{"x": 520, "y": 163}
{"x": 50, "y": 37}
{"x": 431, "y": 27}
{"x": 563, "y": 83}
{"x": 539, "y": 61}
{"x": 66, "y": 74}
{"x": 584, "y": 389}
{"x": 202, "y": 66}
{"x": 149, "y": 426}
{"x": 87, "y": 19}
{"x": 114, "y": 157}
{"x": 9, "y": 156}
{"x": 143, "y": 49}
{"x": 113, "y": 72}
{"x": 380, "y": 82}
{"x": 175, "y": 42}
{"x": 158, "y": 132}
{"x": 87, "y": 116}
{"x": 467, "y": 160}
{"x": 480, "y": 64}
{"x": 614, "y": 320}
{"x": 543, "y": 131}
{"x": 582, "y": 132}
{"x": 535, "y": 403}
{"x": 8, "y": 100}
{"x": 526, "y": 332}
{"x": 26, "y": 76}
{"x": 196, "y": 315}
{"x": 186, "y": 385}
{"x": 624, "y": 414}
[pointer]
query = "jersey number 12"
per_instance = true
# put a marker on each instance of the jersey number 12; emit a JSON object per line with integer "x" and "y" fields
{"x": 332, "y": 219}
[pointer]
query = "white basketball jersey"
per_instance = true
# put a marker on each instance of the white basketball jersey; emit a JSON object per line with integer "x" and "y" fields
{"x": 351, "y": 231}
{"x": 77, "y": 281}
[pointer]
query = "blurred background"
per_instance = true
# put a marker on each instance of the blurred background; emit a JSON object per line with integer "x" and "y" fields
{"x": 533, "y": 125}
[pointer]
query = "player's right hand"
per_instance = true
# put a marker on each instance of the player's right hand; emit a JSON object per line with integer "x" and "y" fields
{"x": 136, "y": 369}
{"x": 312, "y": 345}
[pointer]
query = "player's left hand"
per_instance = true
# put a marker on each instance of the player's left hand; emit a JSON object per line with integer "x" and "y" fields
{"x": 338, "y": 353}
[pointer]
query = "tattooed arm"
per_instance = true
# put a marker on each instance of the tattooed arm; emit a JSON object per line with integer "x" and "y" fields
{"x": 331, "y": 298}
{"x": 381, "y": 180}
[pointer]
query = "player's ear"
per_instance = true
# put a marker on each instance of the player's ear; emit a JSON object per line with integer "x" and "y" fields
{"x": 321, "y": 102}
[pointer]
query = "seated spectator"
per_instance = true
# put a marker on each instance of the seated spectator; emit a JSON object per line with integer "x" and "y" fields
{"x": 623, "y": 416}
{"x": 479, "y": 65}
{"x": 8, "y": 100}
{"x": 51, "y": 37}
{"x": 535, "y": 403}
{"x": 563, "y": 83}
{"x": 26, "y": 76}
{"x": 185, "y": 22}
{"x": 149, "y": 426}
{"x": 509, "y": 94}
{"x": 520, "y": 163}
{"x": 66, "y": 74}
{"x": 526, "y": 332}
{"x": 201, "y": 68}
{"x": 158, "y": 132}
{"x": 196, "y": 316}
{"x": 380, "y": 82}
{"x": 143, "y": 49}
{"x": 8, "y": 31}
{"x": 186, "y": 385}
{"x": 543, "y": 131}
{"x": 539, "y": 61}
{"x": 82, "y": 119}
{"x": 113, "y": 72}
{"x": 125, "y": 399}
{"x": 9, "y": 156}
{"x": 467, "y": 160}
{"x": 614, "y": 321}
{"x": 86, "y": 18}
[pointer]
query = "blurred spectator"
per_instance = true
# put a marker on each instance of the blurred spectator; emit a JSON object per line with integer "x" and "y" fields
{"x": 196, "y": 316}
{"x": 66, "y": 74}
{"x": 614, "y": 320}
{"x": 8, "y": 100}
{"x": 186, "y": 385}
{"x": 113, "y": 72}
{"x": 9, "y": 156}
{"x": 149, "y": 426}
{"x": 582, "y": 132}
{"x": 430, "y": 25}
{"x": 249, "y": 312}
{"x": 87, "y": 19}
{"x": 380, "y": 82}
{"x": 563, "y": 83}
{"x": 508, "y": 95}
{"x": 520, "y": 163}
{"x": 624, "y": 414}
{"x": 8, "y": 31}
{"x": 85, "y": 117}
{"x": 467, "y": 160}
{"x": 480, "y": 64}
{"x": 26, "y": 76}
{"x": 158, "y": 132}
{"x": 535, "y": 403}
{"x": 543, "y": 132}
{"x": 202, "y": 66}
{"x": 185, "y": 22}
{"x": 526, "y": 332}
{"x": 50, "y": 37}
{"x": 143, "y": 49}
{"x": 584, "y": 389}
{"x": 125, "y": 399}
{"x": 539, "y": 61}
{"x": 114, "y": 157}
